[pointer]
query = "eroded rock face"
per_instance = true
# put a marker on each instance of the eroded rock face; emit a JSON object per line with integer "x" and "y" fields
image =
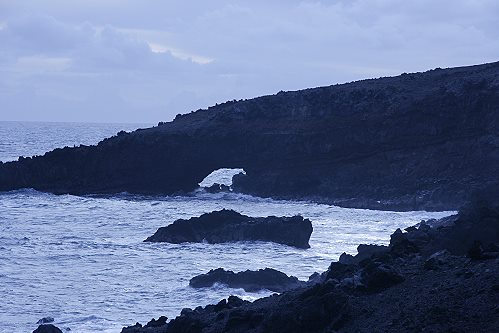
{"x": 267, "y": 278}
{"x": 415, "y": 141}
{"x": 229, "y": 226}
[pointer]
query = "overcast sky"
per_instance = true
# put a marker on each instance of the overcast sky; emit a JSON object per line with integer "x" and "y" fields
{"x": 147, "y": 60}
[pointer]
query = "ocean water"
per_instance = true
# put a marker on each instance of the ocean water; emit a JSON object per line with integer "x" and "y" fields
{"x": 35, "y": 138}
{"x": 82, "y": 261}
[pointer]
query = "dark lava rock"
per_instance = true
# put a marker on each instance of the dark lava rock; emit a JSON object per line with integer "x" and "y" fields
{"x": 154, "y": 326}
{"x": 230, "y": 226}
{"x": 476, "y": 250}
{"x": 473, "y": 232}
{"x": 377, "y": 276}
{"x": 365, "y": 251}
{"x": 339, "y": 271}
{"x": 161, "y": 321}
{"x": 267, "y": 278}
{"x": 436, "y": 260}
{"x": 133, "y": 329}
{"x": 414, "y": 141}
{"x": 47, "y": 328}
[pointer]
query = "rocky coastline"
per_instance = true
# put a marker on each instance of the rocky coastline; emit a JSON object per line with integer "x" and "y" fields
{"x": 438, "y": 276}
{"x": 420, "y": 141}
{"x": 415, "y": 141}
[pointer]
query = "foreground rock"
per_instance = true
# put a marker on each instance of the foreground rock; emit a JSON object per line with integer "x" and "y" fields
{"x": 267, "y": 278}
{"x": 415, "y": 141}
{"x": 229, "y": 226}
{"x": 47, "y": 328}
{"x": 432, "y": 278}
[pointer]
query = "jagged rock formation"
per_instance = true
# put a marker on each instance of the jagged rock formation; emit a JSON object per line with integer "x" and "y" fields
{"x": 267, "y": 278}
{"x": 440, "y": 276}
{"x": 153, "y": 326}
{"x": 229, "y": 226}
{"x": 414, "y": 141}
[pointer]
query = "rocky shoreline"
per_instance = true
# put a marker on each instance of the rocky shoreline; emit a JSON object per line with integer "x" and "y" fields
{"x": 421, "y": 141}
{"x": 437, "y": 276}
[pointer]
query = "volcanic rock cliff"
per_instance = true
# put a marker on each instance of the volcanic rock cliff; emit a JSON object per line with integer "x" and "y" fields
{"x": 422, "y": 140}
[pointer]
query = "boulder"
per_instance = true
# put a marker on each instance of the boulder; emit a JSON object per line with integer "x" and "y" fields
{"x": 377, "y": 276}
{"x": 339, "y": 271}
{"x": 437, "y": 260}
{"x": 47, "y": 328}
{"x": 267, "y": 278}
{"x": 366, "y": 251}
{"x": 229, "y": 226}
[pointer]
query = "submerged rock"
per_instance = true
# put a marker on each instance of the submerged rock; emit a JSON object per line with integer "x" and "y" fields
{"x": 267, "y": 278}
{"x": 45, "y": 320}
{"x": 217, "y": 188}
{"x": 229, "y": 226}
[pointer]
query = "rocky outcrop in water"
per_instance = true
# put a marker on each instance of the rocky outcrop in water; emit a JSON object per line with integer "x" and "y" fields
{"x": 432, "y": 277}
{"x": 47, "y": 328}
{"x": 217, "y": 188}
{"x": 250, "y": 281}
{"x": 415, "y": 141}
{"x": 45, "y": 320}
{"x": 229, "y": 226}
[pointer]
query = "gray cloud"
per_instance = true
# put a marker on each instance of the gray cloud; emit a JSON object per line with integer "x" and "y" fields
{"x": 149, "y": 60}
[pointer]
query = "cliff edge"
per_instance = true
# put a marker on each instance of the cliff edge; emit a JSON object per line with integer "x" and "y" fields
{"x": 414, "y": 141}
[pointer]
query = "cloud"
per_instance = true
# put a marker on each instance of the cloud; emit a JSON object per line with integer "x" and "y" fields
{"x": 85, "y": 72}
{"x": 88, "y": 47}
{"x": 149, "y": 60}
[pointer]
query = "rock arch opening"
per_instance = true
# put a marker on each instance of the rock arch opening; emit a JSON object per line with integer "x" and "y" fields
{"x": 220, "y": 179}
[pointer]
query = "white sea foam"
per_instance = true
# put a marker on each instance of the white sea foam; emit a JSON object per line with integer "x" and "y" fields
{"x": 82, "y": 259}
{"x": 221, "y": 176}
